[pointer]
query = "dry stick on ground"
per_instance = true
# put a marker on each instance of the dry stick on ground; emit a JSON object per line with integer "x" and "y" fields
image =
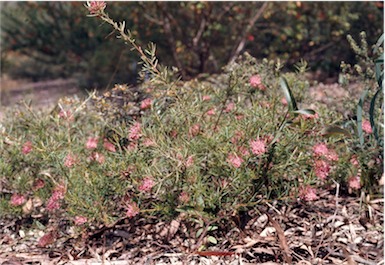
{"x": 282, "y": 240}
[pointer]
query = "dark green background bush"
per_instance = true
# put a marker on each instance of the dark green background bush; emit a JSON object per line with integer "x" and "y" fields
{"x": 61, "y": 41}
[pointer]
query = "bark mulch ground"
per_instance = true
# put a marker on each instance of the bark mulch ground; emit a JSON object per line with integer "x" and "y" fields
{"x": 335, "y": 229}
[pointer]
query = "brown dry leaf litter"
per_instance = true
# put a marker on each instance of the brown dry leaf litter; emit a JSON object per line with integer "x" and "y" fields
{"x": 332, "y": 230}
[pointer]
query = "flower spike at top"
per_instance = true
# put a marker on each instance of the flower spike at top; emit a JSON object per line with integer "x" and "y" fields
{"x": 96, "y": 7}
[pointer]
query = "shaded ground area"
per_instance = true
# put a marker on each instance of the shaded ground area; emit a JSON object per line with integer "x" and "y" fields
{"x": 336, "y": 229}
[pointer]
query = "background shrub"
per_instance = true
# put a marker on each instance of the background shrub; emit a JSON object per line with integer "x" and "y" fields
{"x": 197, "y": 37}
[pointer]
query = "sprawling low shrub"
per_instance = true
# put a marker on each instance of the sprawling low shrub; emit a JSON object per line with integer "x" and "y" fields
{"x": 207, "y": 148}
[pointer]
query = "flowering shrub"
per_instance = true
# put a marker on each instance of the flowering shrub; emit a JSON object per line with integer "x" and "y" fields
{"x": 206, "y": 148}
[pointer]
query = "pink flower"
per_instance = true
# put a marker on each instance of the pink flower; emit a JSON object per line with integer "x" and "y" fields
{"x": 92, "y": 143}
{"x": 234, "y": 160}
{"x": 96, "y": 7}
{"x": 320, "y": 150}
{"x": 146, "y": 104}
{"x": 354, "y": 182}
{"x": 230, "y": 107}
{"x": 258, "y": 147}
{"x": 184, "y": 197}
{"x": 194, "y": 130}
{"x": 17, "y": 200}
{"x": 52, "y": 204}
{"x": 132, "y": 210}
{"x": 211, "y": 112}
{"x": 38, "y": 184}
{"x": 310, "y": 116}
{"x": 206, "y": 98}
{"x": 79, "y": 220}
{"x": 58, "y": 193}
{"x": 243, "y": 151}
{"x": 354, "y": 161}
{"x": 284, "y": 101}
{"x": 322, "y": 169}
{"x": 100, "y": 158}
{"x": 366, "y": 127}
{"x": 148, "y": 142}
{"x": 70, "y": 160}
{"x": 109, "y": 146}
{"x": 27, "y": 147}
{"x": 256, "y": 82}
{"x": 66, "y": 115}
{"x": 135, "y": 131}
{"x": 189, "y": 161}
{"x": 308, "y": 194}
{"x": 332, "y": 156}
{"x": 147, "y": 184}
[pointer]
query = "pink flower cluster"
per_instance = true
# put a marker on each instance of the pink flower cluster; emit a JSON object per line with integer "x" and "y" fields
{"x": 256, "y": 82}
{"x": 146, "y": 104}
{"x": 96, "y": 7}
{"x": 132, "y": 209}
{"x": 147, "y": 184}
{"x": 92, "y": 143}
{"x": 366, "y": 127}
{"x": 109, "y": 146}
{"x": 135, "y": 131}
{"x": 17, "y": 199}
{"x": 184, "y": 197}
{"x": 324, "y": 156}
{"x": 354, "y": 182}
{"x": 79, "y": 220}
{"x": 70, "y": 160}
{"x": 258, "y": 147}
{"x": 66, "y": 115}
{"x": 27, "y": 147}
{"x": 98, "y": 157}
{"x": 58, "y": 193}
{"x": 307, "y": 193}
{"x": 194, "y": 130}
{"x": 234, "y": 160}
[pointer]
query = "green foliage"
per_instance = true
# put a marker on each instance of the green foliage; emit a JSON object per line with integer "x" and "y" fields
{"x": 193, "y": 148}
{"x": 195, "y": 37}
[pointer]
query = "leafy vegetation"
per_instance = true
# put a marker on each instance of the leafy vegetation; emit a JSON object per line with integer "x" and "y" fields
{"x": 195, "y": 37}
{"x": 206, "y": 148}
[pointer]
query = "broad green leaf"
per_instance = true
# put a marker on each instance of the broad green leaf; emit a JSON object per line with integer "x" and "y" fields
{"x": 212, "y": 240}
{"x": 199, "y": 232}
{"x": 359, "y": 117}
{"x": 287, "y": 93}
{"x": 335, "y": 130}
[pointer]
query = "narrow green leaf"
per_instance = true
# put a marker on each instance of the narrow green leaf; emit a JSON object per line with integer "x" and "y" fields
{"x": 305, "y": 111}
{"x": 335, "y": 130}
{"x": 372, "y": 113}
{"x": 287, "y": 93}
{"x": 359, "y": 117}
{"x": 379, "y": 63}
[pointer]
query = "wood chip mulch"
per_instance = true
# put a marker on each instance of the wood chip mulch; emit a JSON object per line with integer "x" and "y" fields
{"x": 332, "y": 230}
